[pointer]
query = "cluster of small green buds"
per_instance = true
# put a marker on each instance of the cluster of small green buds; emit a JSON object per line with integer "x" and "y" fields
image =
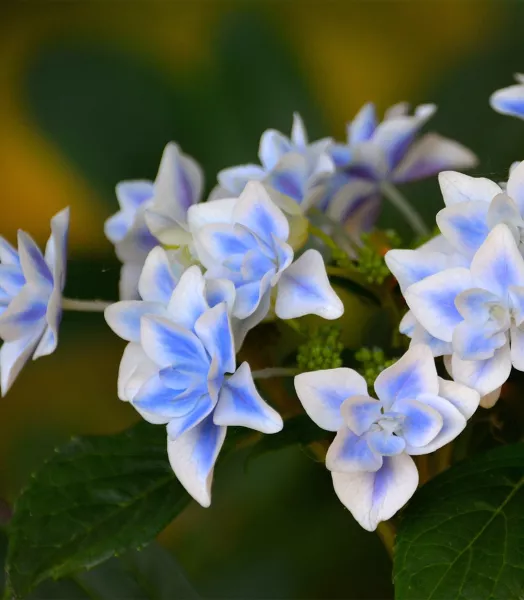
{"x": 373, "y": 362}
{"x": 322, "y": 350}
{"x": 370, "y": 262}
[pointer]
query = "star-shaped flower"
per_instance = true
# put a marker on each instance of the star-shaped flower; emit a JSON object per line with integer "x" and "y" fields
{"x": 245, "y": 241}
{"x": 370, "y": 457}
{"x": 31, "y": 286}
{"x": 151, "y": 212}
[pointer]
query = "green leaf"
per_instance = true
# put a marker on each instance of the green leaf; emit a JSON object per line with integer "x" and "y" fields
{"x": 462, "y": 536}
{"x": 150, "y": 574}
{"x": 97, "y": 496}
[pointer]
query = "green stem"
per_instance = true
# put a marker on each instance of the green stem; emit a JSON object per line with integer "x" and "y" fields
{"x": 274, "y": 372}
{"x": 387, "y": 531}
{"x": 412, "y": 217}
{"x": 84, "y": 305}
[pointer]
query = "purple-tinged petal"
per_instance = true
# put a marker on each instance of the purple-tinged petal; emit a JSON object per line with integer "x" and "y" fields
{"x": 273, "y": 146}
{"x": 363, "y": 126}
{"x": 240, "y": 404}
{"x": 12, "y": 279}
{"x": 377, "y": 496}
{"x": 193, "y": 455}
{"x": 132, "y": 194}
{"x": 413, "y": 374}
{"x": 430, "y": 155}
{"x": 32, "y": 261}
{"x": 485, "y": 376}
{"x": 349, "y": 453}
{"x": 25, "y": 312}
{"x": 457, "y": 188}
{"x": 323, "y": 392}
{"x": 235, "y": 179}
{"x": 432, "y": 301}
{"x": 304, "y": 289}
{"x": 8, "y": 254}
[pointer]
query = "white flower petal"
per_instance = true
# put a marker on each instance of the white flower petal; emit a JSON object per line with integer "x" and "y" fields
{"x": 457, "y": 187}
{"x": 375, "y": 497}
{"x": 463, "y": 398}
{"x": 14, "y": 355}
{"x": 465, "y": 225}
{"x": 515, "y": 186}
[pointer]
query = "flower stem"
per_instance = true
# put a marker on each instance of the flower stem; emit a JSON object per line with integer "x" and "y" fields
{"x": 274, "y": 372}
{"x": 403, "y": 206}
{"x": 387, "y": 531}
{"x": 84, "y": 305}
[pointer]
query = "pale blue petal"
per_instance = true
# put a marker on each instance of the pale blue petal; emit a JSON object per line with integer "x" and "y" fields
{"x": 323, "y": 392}
{"x": 220, "y": 290}
{"x": 363, "y": 125}
{"x": 8, "y": 254}
{"x": 56, "y": 248}
{"x": 472, "y": 341}
{"x": 464, "y": 399}
{"x": 298, "y": 132}
{"x": 410, "y": 266}
{"x": 248, "y": 297}
{"x": 32, "y": 261}
{"x": 384, "y": 443}
{"x": 214, "y": 331}
{"x": 25, "y": 312}
{"x": 273, "y": 146}
{"x": 498, "y": 264}
{"x": 349, "y": 453}
{"x": 377, "y": 496}
{"x": 457, "y": 188}
{"x": 465, "y": 225}
{"x": 132, "y": 194}
{"x": 193, "y": 455}
{"x": 517, "y": 347}
{"x": 288, "y": 182}
{"x": 516, "y": 295}
{"x": 168, "y": 344}
{"x": 340, "y": 154}
{"x": 485, "y": 376}
{"x": 234, "y": 179}
{"x": 413, "y": 374}
{"x": 360, "y": 412}
{"x": 177, "y": 426}
{"x": 515, "y": 186}
{"x": 117, "y": 226}
{"x": 503, "y": 209}
{"x": 188, "y": 300}
{"x": 475, "y": 304}
{"x": 166, "y": 403}
{"x": 48, "y": 342}
{"x": 15, "y": 354}
{"x": 157, "y": 281}
{"x": 304, "y": 289}
{"x": 222, "y": 242}
{"x": 240, "y": 404}
{"x": 283, "y": 253}
{"x": 432, "y": 301}
{"x": 430, "y": 155}
{"x": 255, "y": 264}
{"x": 124, "y": 317}
{"x": 11, "y": 279}
{"x": 183, "y": 380}
{"x": 257, "y": 212}
{"x": 453, "y": 423}
{"x": 421, "y": 422}
{"x": 509, "y": 101}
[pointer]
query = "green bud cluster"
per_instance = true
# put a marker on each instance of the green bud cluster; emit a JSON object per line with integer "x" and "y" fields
{"x": 373, "y": 362}
{"x": 322, "y": 350}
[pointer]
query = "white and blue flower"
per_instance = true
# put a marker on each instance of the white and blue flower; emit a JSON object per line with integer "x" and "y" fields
{"x": 181, "y": 371}
{"x": 246, "y": 241}
{"x": 475, "y": 205}
{"x": 153, "y": 212}
{"x": 294, "y": 168}
{"x": 510, "y": 100}
{"x": 389, "y": 152}
{"x": 479, "y": 311}
{"x": 31, "y": 285}
{"x": 370, "y": 458}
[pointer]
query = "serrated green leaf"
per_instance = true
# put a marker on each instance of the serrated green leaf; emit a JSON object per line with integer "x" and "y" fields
{"x": 95, "y": 497}
{"x": 462, "y": 536}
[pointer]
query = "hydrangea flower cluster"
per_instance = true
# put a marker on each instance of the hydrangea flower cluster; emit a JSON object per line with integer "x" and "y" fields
{"x": 198, "y": 276}
{"x": 370, "y": 458}
{"x": 465, "y": 289}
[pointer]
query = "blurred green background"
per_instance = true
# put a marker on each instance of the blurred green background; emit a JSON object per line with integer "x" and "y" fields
{"x": 90, "y": 92}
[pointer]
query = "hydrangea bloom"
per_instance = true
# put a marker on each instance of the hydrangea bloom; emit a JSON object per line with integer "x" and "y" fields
{"x": 475, "y": 205}
{"x": 479, "y": 310}
{"x": 510, "y": 100}
{"x": 370, "y": 457}
{"x": 245, "y": 241}
{"x": 153, "y": 211}
{"x": 176, "y": 373}
{"x": 31, "y": 286}
{"x": 387, "y": 152}
{"x": 293, "y": 167}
